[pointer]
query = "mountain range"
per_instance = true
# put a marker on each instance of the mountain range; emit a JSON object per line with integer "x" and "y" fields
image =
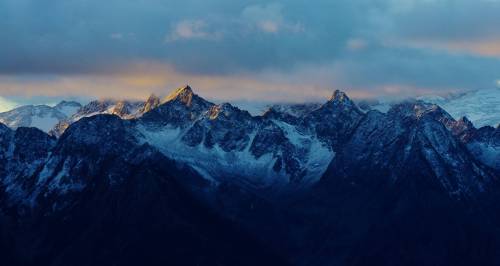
{"x": 479, "y": 106}
{"x": 43, "y": 117}
{"x": 183, "y": 181}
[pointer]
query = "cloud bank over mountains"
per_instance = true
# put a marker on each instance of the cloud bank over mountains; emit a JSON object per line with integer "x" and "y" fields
{"x": 283, "y": 50}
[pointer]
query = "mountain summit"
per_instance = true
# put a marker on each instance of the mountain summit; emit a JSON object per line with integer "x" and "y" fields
{"x": 339, "y": 96}
{"x": 183, "y": 94}
{"x": 152, "y": 102}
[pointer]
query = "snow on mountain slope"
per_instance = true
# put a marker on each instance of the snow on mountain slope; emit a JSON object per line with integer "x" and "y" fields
{"x": 216, "y": 163}
{"x": 43, "y": 117}
{"x": 222, "y": 140}
{"x": 97, "y": 172}
{"x": 482, "y": 107}
{"x": 68, "y": 108}
{"x": 123, "y": 109}
{"x": 288, "y": 144}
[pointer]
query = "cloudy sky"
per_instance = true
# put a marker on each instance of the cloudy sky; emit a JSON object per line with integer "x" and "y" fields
{"x": 290, "y": 50}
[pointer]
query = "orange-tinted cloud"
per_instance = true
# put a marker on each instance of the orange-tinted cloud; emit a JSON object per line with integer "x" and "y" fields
{"x": 302, "y": 84}
{"x": 139, "y": 80}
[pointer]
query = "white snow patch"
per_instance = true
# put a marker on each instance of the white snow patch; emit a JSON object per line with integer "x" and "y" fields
{"x": 215, "y": 163}
{"x": 318, "y": 157}
{"x": 318, "y": 160}
{"x": 482, "y": 107}
{"x": 291, "y": 132}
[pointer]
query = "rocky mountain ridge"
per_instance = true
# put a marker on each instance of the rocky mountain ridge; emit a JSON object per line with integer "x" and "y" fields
{"x": 336, "y": 177}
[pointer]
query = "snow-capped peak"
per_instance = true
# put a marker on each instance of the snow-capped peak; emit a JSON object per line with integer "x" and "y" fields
{"x": 43, "y": 117}
{"x": 480, "y": 106}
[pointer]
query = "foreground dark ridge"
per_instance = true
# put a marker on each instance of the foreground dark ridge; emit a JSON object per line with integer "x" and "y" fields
{"x": 185, "y": 181}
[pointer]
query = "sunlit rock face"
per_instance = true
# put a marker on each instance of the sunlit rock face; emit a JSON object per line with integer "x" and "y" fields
{"x": 122, "y": 109}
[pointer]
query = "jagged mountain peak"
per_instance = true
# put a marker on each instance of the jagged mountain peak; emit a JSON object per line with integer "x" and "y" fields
{"x": 225, "y": 109}
{"x": 153, "y": 99}
{"x": 464, "y": 123}
{"x": 124, "y": 108}
{"x": 179, "y": 108}
{"x": 274, "y": 113}
{"x": 121, "y": 108}
{"x": 183, "y": 94}
{"x": 339, "y": 99}
{"x": 462, "y": 128}
{"x": 183, "y": 98}
{"x": 98, "y": 105}
{"x": 335, "y": 120}
{"x": 216, "y": 110}
{"x": 420, "y": 109}
{"x": 465, "y": 120}
{"x": 339, "y": 95}
{"x": 152, "y": 102}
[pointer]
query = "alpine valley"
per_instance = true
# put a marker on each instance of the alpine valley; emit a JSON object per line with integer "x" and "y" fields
{"x": 183, "y": 181}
